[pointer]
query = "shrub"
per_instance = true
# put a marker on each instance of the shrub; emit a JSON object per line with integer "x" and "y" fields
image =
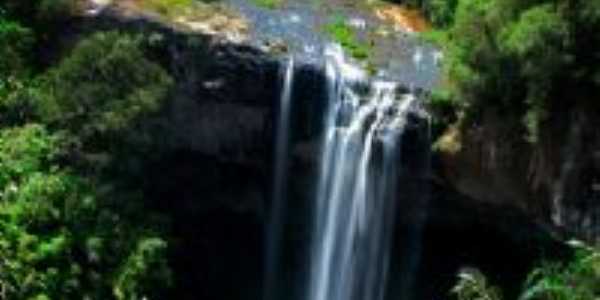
{"x": 16, "y": 44}
{"x": 344, "y": 34}
{"x": 269, "y": 4}
{"x": 102, "y": 87}
{"x": 167, "y": 8}
{"x": 17, "y": 102}
{"x": 439, "y": 12}
{"x": 39, "y": 205}
{"x": 538, "y": 40}
{"x": 520, "y": 57}
{"x": 25, "y": 151}
{"x": 576, "y": 280}
{"x": 49, "y": 10}
{"x": 39, "y": 13}
{"x": 144, "y": 268}
{"x": 473, "y": 285}
{"x": 57, "y": 239}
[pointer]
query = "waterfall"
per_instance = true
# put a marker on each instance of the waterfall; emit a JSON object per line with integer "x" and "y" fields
{"x": 276, "y": 215}
{"x": 354, "y": 208}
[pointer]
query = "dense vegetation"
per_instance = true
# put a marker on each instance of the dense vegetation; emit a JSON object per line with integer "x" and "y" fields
{"x": 269, "y": 4}
{"x": 529, "y": 62}
{"x": 526, "y": 60}
{"x": 66, "y": 230}
{"x": 339, "y": 31}
{"x": 576, "y": 280}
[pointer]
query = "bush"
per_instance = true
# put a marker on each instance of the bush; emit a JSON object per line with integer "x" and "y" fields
{"x": 439, "y": 12}
{"x": 269, "y": 4}
{"x": 443, "y": 105}
{"x": 538, "y": 40}
{"x": 16, "y": 44}
{"x": 144, "y": 268}
{"x": 60, "y": 237}
{"x": 578, "y": 279}
{"x": 105, "y": 85}
{"x": 25, "y": 151}
{"x": 344, "y": 34}
{"x": 522, "y": 59}
{"x": 57, "y": 240}
{"x": 39, "y": 12}
{"x": 167, "y": 8}
{"x": 39, "y": 206}
{"x": 49, "y": 10}
{"x": 473, "y": 285}
{"x": 17, "y": 102}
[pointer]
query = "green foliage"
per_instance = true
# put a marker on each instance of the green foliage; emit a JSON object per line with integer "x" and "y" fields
{"x": 472, "y": 54}
{"x": 341, "y": 32}
{"x": 56, "y": 9}
{"x": 16, "y": 42}
{"x": 538, "y": 40}
{"x": 57, "y": 241}
{"x": 60, "y": 236}
{"x": 519, "y": 58}
{"x": 143, "y": 269}
{"x": 436, "y": 37}
{"x": 17, "y": 102}
{"x": 24, "y": 152}
{"x": 38, "y": 204}
{"x": 40, "y": 13}
{"x": 442, "y": 103}
{"x": 439, "y": 12}
{"x": 269, "y": 4}
{"x": 473, "y": 285}
{"x": 577, "y": 280}
{"x": 441, "y": 99}
{"x": 167, "y": 8}
{"x": 103, "y": 86}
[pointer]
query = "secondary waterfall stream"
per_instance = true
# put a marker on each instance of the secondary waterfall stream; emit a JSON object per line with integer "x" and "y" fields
{"x": 275, "y": 226}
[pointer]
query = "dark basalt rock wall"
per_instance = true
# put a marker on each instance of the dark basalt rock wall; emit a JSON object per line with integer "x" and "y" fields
{"x": 556, "y": 182}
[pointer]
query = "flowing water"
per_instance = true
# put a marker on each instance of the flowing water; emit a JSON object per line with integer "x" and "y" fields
{"x": 275, "y": 226}
{"x": 355, "y": 198}
{"x": 356, "y": 187}
{"x": 299, "y": 27}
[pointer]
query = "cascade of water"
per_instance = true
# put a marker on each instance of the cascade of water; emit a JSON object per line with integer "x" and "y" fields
{"x": 354, "y": 208}
{"x": 276, "y": 217}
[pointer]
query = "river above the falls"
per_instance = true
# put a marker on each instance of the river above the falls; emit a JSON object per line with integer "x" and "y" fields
{"x": 299, "y": 28}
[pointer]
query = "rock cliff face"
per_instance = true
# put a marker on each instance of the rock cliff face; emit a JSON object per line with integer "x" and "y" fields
{"x": 555, "y": 182}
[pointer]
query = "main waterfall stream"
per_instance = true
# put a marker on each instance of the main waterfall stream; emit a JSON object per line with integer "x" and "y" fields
{"x": 356, "y": 187}
{"x": 355, "y": 197}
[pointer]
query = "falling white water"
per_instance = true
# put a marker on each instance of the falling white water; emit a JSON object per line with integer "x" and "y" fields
{"x": 355, "y": 197}
{"x": 276, "y": 217}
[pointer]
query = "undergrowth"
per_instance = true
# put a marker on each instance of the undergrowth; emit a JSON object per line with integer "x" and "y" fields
{"x": 167, "y": 8}
{"x": 341, "y": 32}
{"x": 578, "y": 279}
{"x": 269, "y": 4}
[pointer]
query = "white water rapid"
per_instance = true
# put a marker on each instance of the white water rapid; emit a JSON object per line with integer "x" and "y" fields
{"x": 354, "y": 208}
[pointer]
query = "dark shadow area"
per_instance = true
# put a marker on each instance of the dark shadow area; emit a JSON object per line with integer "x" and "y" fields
{"x": 502, "y": 243}
{"x": 216, "y": 238}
